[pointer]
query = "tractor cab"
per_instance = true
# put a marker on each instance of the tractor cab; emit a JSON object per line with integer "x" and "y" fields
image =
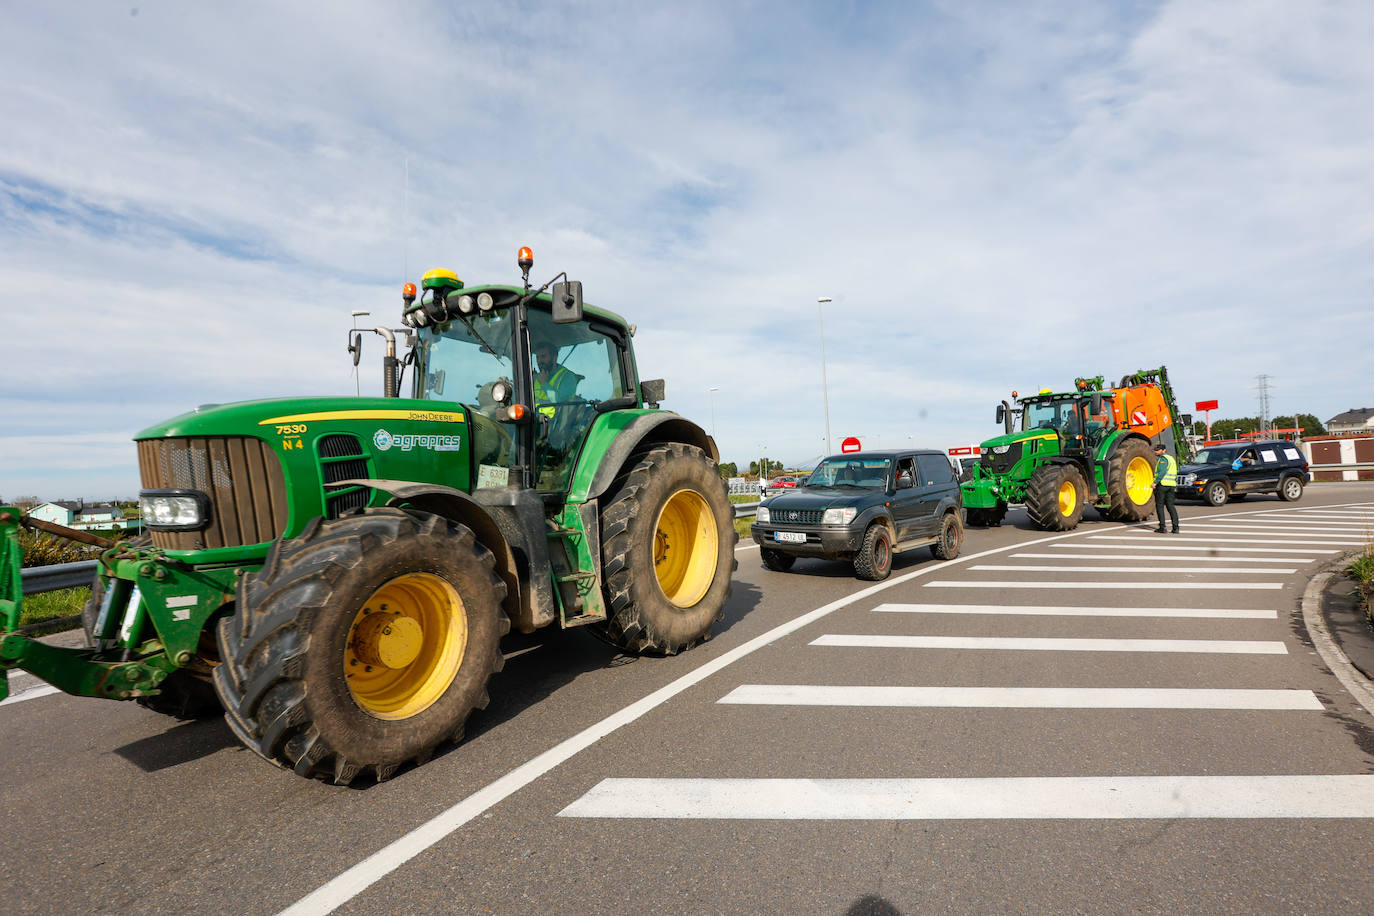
{"x": 535, "y": 370}
{"x": 1081, "y": 420}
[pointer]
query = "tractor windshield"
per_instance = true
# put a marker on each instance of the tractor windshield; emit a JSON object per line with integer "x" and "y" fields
{"x": 1060, "y": 415}
{"x": 458, "y": 358}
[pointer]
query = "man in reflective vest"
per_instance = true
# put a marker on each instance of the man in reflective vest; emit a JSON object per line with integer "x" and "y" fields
{"x": 1166, "y": 483}
{"x": 552, "y": 382}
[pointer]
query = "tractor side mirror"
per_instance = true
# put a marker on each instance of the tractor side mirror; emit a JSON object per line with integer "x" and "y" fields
{"x": 1186, "y": 419}
{"x": 1001, "y": 414}
{"x": 1095, "y": 404}
{"x": 567, "y": 302}
{"x": 653, "y": 391}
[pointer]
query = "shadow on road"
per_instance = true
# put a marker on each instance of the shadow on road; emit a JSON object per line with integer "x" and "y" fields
{"x": 180, "y": 744}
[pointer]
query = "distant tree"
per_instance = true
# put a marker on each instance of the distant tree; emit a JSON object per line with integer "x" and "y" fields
{"x": 728, "y": 469}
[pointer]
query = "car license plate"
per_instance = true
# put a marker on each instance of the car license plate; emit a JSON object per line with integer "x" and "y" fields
{"x": 789, "y": 537}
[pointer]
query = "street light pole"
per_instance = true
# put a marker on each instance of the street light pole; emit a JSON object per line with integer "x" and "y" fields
{"x": 825, "y": 388}
{"x": 713, "y": 410}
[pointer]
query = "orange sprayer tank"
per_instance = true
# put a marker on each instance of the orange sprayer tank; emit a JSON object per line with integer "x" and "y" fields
{"x": 1141, "y": 409}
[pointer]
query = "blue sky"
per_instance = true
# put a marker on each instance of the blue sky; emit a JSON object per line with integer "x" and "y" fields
{"x": 996, "y": 196}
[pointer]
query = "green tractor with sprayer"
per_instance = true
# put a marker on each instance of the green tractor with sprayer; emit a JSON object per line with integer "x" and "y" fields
{"x": 1090, "y": 446}
{"x": 335, "y": 574}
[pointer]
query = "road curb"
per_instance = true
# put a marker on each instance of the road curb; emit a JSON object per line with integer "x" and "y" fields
{"x": 1328, "y": 647}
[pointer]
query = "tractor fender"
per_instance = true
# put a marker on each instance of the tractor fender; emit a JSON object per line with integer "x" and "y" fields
{"x": 617, "y": 436}
{"x": 457, "y": 506}
{"x": 1084, "y": 468}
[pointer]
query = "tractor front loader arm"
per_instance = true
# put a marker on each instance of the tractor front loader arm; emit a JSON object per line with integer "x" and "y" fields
{"x": 151, "y": 616}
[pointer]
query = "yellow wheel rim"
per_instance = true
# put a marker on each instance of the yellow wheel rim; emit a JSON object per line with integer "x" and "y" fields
{"x": 686, "y": 548}
{"x": 1068, "y": 497}
{"x": 1140, "y": 478}
{"x": 405, "y": 646}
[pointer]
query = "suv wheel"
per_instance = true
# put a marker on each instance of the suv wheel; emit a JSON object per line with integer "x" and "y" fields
{"x": 1215, "y": 493}
{"x": 1290, "y": 488}
{"x": 951, "y": 537}
{"x": 874, "y": 561}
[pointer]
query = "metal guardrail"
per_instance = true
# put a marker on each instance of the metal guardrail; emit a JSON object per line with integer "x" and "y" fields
{"x": 1359, "y": 466}
{"x": 744, "y": 510}
{"x": 59, "y": 575}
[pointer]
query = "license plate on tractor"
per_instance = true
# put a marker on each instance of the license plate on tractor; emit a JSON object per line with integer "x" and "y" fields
{"x": 789, "y": 537}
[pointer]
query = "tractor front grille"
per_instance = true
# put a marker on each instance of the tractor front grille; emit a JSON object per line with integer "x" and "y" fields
{"x": 1001, "y": 464}
{"x": 242, "y": 476}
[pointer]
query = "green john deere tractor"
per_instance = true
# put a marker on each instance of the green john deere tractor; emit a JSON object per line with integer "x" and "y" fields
{"x": 336, "y": 574}
{"x": 1092, "y": 446}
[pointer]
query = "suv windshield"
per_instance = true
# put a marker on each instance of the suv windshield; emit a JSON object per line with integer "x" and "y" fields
{"x": 867, "y": 473}
{"x": 1215, "y": 456}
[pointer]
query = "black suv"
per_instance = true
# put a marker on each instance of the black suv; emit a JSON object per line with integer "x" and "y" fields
{"x": 864, "y": 507}
{"x": 1222, "y": 472}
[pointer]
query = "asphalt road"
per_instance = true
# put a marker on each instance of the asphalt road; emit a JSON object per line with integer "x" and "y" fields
{"x": 1104, "y": 721}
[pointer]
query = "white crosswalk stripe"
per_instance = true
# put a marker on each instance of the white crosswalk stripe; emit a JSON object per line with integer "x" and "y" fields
{"x": 1220, "y": 571}
{"x": 1021, "y": 697}
{"x": 1043, "y": 798}
{"x": 1191, "y": 558}
{"x": 1030, "y": 583}
{"x": 1156, "y": 545}
{"x": 1045, "y": 644}
{"x": 1075, "y": 611}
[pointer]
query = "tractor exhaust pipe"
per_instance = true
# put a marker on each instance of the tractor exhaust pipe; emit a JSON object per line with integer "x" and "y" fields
{"x": 390, "y": 365}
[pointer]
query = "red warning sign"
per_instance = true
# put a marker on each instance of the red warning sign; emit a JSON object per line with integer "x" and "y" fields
{"x": 1138, "y": 418}
{"x": 850, "y": 444}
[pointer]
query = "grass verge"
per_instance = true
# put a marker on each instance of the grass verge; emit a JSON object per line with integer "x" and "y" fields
{"x": 1362, "y": 571}
{"x": 65, "y": 602}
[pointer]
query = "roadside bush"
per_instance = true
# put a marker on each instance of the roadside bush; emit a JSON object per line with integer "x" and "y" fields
{"x": 1362, "y": 571}
{"x": 40, "y": 549}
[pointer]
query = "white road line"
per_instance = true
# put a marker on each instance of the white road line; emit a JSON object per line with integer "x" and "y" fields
{"x": 1064, "y": 611}
{"x": 746, "y": 547}
{"x": 1051, "y": 644}
{"x": 1141, "y": 545}
{"x": 1176, "y": 538}
{"x": 1038, "y": 797}
{"x": 1191, "y": 558}
{"x": 1022, "y": 697}
{"x": 1281, "y": 529}
{"x": 1220, "y": 534}
{"x": 1083, "y": 567}
{"x": 32, "y": 693}
{"x": 1131, "y": 585}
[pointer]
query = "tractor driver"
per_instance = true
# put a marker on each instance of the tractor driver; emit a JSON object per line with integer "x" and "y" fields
{"x": 553, "y": 383}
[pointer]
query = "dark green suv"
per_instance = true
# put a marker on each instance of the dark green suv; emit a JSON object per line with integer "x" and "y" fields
{"x": 1224, "y": 472}
{"x": 865, "y": 507}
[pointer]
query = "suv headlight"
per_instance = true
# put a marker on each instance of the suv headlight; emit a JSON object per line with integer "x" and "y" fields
{"x": 838, "y": 516}
{"x": 174, "y": 510}
{"x": 761, "y": 515}
{"x": 1186, "y": 479}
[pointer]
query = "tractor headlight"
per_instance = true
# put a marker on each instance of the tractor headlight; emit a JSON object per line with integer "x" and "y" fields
{"x": 485, "y": 302}
{"x": 1001, "y": 449}
{"x": 761, "y": 515}
{"x": 174, "y": 510}
{"x": 466, "y": 304}
{"x": 838, "y": 516}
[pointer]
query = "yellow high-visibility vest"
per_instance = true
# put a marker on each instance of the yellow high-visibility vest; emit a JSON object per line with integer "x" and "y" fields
{"x": 1170, "y": 478}
{"x": 546, "y": 392}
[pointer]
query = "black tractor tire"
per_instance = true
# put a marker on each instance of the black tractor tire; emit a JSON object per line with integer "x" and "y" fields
{"x": 312, "y": 684}
{"x": 1215, "y": 493}
{"x": 776, "y": 560}
{"x": 667, "y": 551}
{"x": 987, "y": 518}
{"x": 874, "y": 561}
{"x": 186, "y": 693}
{"x": 1290, "y": 488}
{"x": 1055, "y": 497}
{"x": 951, "y": 537}
{"x": 1124, "y": 478}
